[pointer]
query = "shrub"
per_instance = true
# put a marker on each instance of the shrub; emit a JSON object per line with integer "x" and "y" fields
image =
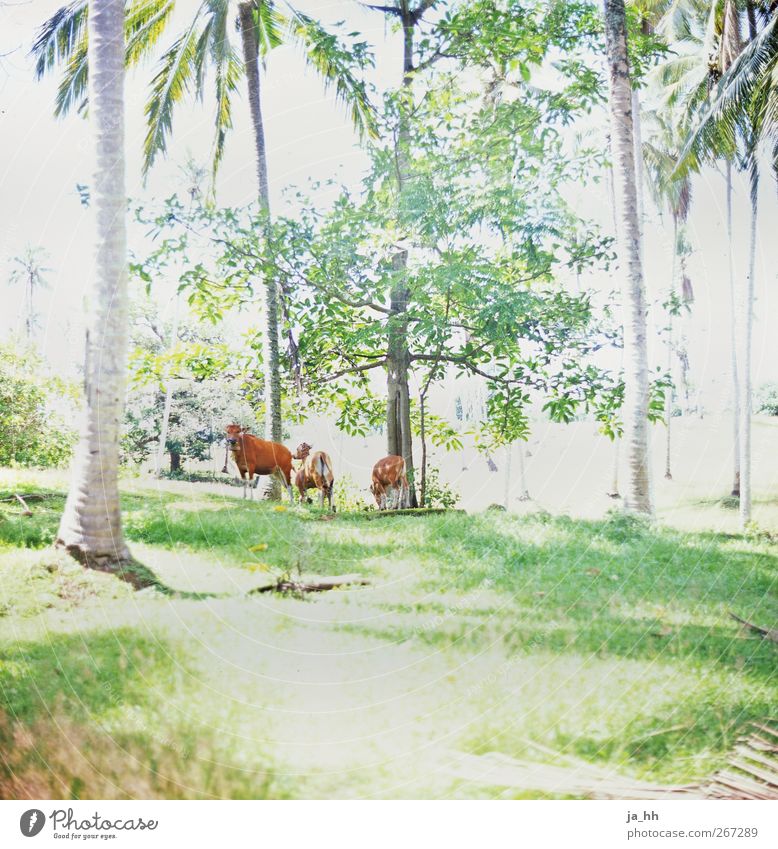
{"x": 766, "y": 401}
{"x": 32, "y": 432}
{"x": 348, "y": 497}
{"x": 439, "y": 494}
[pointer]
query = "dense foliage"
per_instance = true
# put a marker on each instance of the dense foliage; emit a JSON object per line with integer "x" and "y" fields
{"x": 33, "y": 410}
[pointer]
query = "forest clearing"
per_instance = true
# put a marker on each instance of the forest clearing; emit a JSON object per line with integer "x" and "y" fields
{"x": 534, "y": 636}
{"x": 388, "y": 400}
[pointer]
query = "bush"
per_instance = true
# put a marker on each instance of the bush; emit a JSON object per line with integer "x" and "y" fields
{"x": 439, "y": 494}
{"x": 348, "y": 497}
{"x": 766, "y": 401}
{"x": 32, "y": 433}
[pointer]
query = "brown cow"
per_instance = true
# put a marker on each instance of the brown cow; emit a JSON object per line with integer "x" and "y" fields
{"x": 316, "y": 471}
{"x": 254, "y": 456}
{"x": 389, "y": 474}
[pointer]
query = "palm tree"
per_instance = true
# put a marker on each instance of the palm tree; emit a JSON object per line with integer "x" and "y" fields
{"x": 673, "y": 191}
{"x": 708, "y": 40}
{"x": 741, "y": 114}
{"x": 638, "y": 494}
{"x": 207, "y": 40}
{"x": 28, "y": 271}
{"x": 90, "y": 528}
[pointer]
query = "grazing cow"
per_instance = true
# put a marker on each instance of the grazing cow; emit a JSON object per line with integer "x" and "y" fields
{"x": 316, "y": 471}
{"x": 254, "y": 456}
{"x": 389, "y": 475}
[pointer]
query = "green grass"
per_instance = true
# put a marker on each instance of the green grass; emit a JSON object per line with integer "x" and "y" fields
{"x": 609, "y": 640}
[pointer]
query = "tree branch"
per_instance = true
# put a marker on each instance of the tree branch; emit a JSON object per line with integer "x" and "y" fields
{"x": 350, "y": 370}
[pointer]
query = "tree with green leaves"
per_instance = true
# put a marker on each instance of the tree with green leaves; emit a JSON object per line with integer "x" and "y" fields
{"x": 208, "y": 41}
{"x": 91, "y": 528}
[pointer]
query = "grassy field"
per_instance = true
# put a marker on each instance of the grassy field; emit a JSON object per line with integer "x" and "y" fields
{"x": 607, "y": 639}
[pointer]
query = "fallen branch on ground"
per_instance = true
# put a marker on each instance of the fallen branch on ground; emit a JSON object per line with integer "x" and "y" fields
{"x": 767, "y": 633}
{"x": 31, "y": 496}
{"x": 25, "y": 508}
{"x": 311, "y": 585}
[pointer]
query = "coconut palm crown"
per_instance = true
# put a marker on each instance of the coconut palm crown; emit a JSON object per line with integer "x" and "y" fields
{"x": 211, "y": 38}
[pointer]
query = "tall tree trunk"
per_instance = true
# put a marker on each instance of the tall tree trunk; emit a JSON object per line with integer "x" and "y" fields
{"x": 637, "y": 144}
{"x": 733, "y": 337}
{"x": 398, "y": 361}
{"x": 270, "y": 357}
{"x": 638, "y": 495}
{"x": 90, "y": 528}
{"x": 747, "y": 319}
{"x": 168, "y": 394}
{"x": 614, "y": 488}
{"x": 506, "y": 495}
{"x": 669, "y": 397}
{"x": 524, "y": 496}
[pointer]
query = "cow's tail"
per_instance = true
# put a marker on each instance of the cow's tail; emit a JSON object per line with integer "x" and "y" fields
{"x": 325, "y": 469}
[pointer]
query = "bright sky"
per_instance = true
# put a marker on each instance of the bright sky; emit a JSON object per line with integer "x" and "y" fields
{"x": 42, "y": 160}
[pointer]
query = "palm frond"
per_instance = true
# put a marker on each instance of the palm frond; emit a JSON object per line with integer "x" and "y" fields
{"x": 227, "y": 76}
{"x": 63, "y": 39}
{"x": 336, "y": 65}
{"x": 58, "y": 36}
{"x": 144, "y": 23}
{"x": 181, "y": 71}
{"x": 270, "y": 24}
{"x": 72, "y": 90}
{"x": 746, "y": 82}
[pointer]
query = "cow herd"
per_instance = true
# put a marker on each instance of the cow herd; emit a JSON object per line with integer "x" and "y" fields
{"x": 255, "y": 457}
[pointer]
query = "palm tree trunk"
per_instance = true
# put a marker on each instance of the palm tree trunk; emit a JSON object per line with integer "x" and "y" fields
{"x": 270, "y": 355}
{"x": 638, "y": 148}
{"x": 733, "y": 337}
{"x": 638, "y": 495}
{"x": 747, "y": 320}
{"x": 669, "y": 398}
{"x": 90, "y": 528}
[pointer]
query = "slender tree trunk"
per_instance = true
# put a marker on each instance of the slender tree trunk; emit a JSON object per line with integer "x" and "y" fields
{"x": 398, "y": 361}
{"x": 270, "y": 356}
{"x": 423, "y": 438}
{"x": 506, "y": 496}
{"x": 90, "y": 528}
{"x": 168, "y": 395}
{"x": 638, "y": 496}
{"x": 747, "y": 320}
{"x": 525, "y": 496}
{"x": 614, "y": 489}
{"x": 733, "y": 337}
{"x": 669, "y": 398}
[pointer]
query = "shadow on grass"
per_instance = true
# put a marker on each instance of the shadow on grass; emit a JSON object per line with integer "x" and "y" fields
{"x": 688, "y": 728}
{"x": 105, "y": 714}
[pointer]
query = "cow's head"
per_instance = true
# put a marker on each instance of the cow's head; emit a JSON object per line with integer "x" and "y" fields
{"x": 302, "y": 451}
{"x": 233, "y": 433}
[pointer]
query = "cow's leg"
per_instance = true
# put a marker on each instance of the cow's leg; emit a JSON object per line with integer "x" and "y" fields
{"x": 329, "y": 496}
{"x": 321, "y": 498}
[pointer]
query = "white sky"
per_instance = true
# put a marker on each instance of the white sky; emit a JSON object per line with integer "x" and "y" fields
{"x": 42, "y": 159}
